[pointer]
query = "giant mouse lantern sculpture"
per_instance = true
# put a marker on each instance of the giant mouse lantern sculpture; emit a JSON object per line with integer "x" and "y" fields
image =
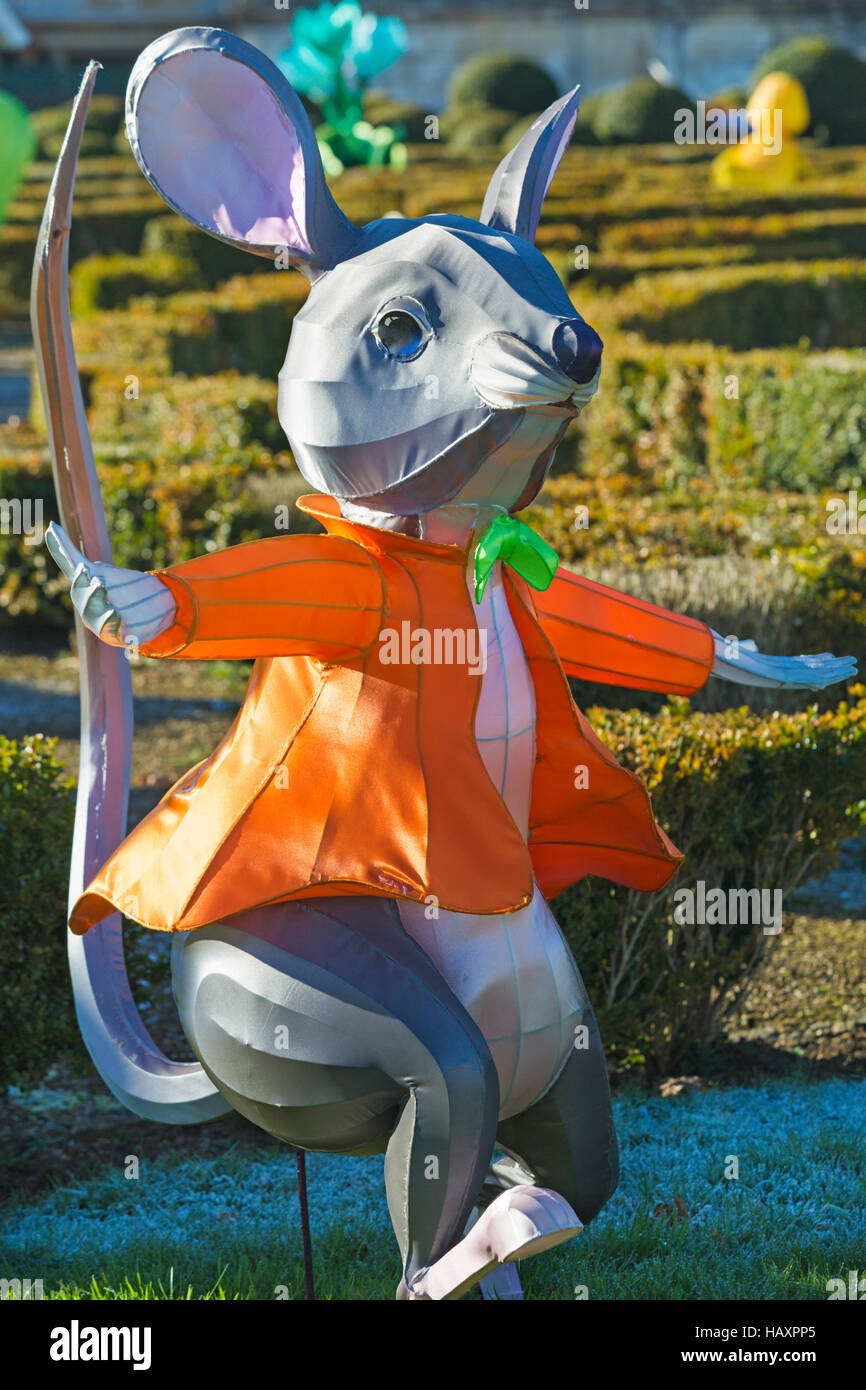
{"x": 359, "y": 875}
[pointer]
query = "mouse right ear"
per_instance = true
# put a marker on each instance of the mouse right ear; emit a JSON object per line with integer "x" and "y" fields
{"x": 223, "y": 137}
{"x": 521, "y": 183}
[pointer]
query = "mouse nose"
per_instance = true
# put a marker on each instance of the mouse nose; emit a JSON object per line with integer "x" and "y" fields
{"x": 577, "y": 349}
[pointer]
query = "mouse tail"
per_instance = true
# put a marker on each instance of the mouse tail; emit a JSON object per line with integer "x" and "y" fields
{"x": 127, "y": 1058}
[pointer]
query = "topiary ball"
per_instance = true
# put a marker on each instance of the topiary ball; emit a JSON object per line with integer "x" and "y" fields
{"x": 641, "y": 112}
{"x": 585, "y": 132}
{"x": 835, "y": 83}
{"x": 505, "y": 81}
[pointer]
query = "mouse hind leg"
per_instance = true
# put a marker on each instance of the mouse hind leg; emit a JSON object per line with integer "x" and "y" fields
{"x": 566, "y": 1140}
{"x": 327, "y": 1025}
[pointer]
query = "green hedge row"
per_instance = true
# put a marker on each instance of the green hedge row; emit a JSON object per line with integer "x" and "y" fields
{"x": 38, "y": 1028}
{"x": 37, "y": 1019}
{"x": 214, "y": 260}
{"x": 773, "y": 233}
{"x": 756, "y": 420}
{"x": 769, "y": 419}
{"x": 107, "y": 282}
{"x": 606, "y": 200}
{"x": 780, "y": 304}
{"x": 243, "y": 325}
{"x": 103, "y": 226}
{"x": 193, "y": 417}
{"x": 753, "y": 803}
{"x": 163, "y": 505}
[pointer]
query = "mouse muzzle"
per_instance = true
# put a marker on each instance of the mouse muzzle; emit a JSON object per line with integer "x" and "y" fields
{"x": 511, "y": 374}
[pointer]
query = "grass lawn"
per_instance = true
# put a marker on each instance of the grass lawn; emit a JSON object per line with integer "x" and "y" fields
{"x": 226, "y": 1225}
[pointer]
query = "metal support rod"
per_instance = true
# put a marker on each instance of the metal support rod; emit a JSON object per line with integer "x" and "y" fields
{"x": 301, "y": 1159}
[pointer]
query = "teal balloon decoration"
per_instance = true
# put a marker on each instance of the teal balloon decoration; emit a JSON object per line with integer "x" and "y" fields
{"x": 17, "y": 147}
{"x": 336, "y": 51}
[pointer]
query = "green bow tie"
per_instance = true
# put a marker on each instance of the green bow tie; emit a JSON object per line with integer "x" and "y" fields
{"x": 511, "y": 540}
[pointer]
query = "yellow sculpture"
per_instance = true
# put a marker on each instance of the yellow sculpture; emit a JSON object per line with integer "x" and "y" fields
{"x": 769, "y": 158}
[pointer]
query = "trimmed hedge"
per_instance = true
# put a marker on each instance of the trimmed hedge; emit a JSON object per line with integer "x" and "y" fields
{"x": 774, "y": 305}
{"x": 641, "y": 112}
{"x": 33, "y": 592}
{"x": 802, "y": 429}
{"x": 243, "y": 325}
{"x": 195, "y": 418}
{"x": 215, "y": 261}
{"x": 656, "y": 517}
{"x": 788, "y": 604}
{"x": 198, "y": 479}
{"x": 37, "y": 1017}
{"x": 17, "y": 248}
{"x": 102, "y": 225}
{"x": 106, "y": 282}
{"x": 503, "y": 80}
{"x": 104, "y": 119}
{"x": 480, "y": 131}
{"x": 771, "y": 419}
{"x": 753, "y": 803}
{"x": 779, "y": 236}
{"x": 38, "y": 1028}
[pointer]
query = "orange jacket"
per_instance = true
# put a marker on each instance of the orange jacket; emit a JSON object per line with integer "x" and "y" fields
{"x": 345, "y": 775}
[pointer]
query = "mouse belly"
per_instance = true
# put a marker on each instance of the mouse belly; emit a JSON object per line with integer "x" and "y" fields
{"x": 516, "y": 978}
{"x": 512, "y": 971}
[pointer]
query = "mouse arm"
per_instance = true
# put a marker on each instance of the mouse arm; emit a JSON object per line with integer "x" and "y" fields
{"x": 611, "y": 638}
{"x": 319, "y": 596}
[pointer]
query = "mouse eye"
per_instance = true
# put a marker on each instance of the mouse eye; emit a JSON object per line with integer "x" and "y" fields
{"x": 403, "y": 330}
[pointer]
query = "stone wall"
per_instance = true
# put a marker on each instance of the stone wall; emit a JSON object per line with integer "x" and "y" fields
{"x": 704, "y": 46}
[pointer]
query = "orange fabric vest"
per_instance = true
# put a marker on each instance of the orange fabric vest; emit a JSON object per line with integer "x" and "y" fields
{"x": 344, "y": 774}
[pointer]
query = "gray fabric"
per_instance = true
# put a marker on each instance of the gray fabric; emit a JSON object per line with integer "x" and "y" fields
{"x": 212, "y": 73}
{"x": 403, "y": 437}
{"x": 566, "y": 1140}
{"x": 519, "y": 187}
{"x": 380, "y": 1056}
{"x": 127, "y": 1058}
{"x": 448, "y": 452}
{"x": 379, "y": 1053}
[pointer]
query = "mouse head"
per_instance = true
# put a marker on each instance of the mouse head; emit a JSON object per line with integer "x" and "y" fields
{"x": 435, "y": 360}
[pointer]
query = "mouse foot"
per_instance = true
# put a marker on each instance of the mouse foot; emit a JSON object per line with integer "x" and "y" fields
{"x": 503, "y": 1282}
{"x": 523, "y": 1221}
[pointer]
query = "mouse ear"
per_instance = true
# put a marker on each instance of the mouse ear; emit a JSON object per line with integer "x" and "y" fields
{"x": 519, "y": 187}
{"x": 223, "y": 137}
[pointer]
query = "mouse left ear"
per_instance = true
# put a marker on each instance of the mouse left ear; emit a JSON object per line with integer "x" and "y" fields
{"x": 519, "y": 187}
{"x": 223, "y": 137}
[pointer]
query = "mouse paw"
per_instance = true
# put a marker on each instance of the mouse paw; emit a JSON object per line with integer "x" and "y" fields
{"x": 521, "y": 1222}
